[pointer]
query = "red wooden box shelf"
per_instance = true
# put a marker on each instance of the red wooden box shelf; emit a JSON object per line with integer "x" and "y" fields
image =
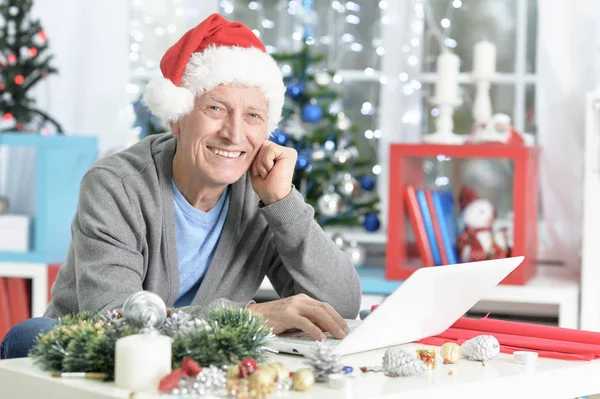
{"x": 406, "y": 168}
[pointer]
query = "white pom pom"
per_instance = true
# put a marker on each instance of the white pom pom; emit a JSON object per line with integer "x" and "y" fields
{"x": 167, "y": 101}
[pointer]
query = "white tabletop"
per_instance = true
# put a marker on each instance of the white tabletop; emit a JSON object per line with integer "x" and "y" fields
{"x": 501, "y": 378}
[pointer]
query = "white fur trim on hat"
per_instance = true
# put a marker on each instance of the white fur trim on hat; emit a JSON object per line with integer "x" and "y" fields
{"x": 167, "y": 101}
{"x": 222, "y": 65}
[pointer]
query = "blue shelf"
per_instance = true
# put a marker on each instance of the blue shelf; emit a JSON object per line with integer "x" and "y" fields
{"x": 60, "y": 164}
{"x": 373, "y": 282}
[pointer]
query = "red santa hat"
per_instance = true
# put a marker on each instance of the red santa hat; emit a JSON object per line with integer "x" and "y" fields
{"x": 467, "y": 195}
{"x": 213, "y": 53}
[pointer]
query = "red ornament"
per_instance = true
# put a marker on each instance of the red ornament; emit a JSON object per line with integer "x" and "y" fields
{"x": 247, "y": 367}
{"x": 42, "y": 35}
{"x": 33, "y": 51}
{"x": 190, "y": 367}
{"x": 44, "y": 74}
{"x": 170, "y": 381}
{"x": 20, "y": 126}
{"x": 2, "y": 86}
{"x": 373, "y": 307}
{"x": 19, "y": 79}
{"x": 12, "y": 58}
{"x": 7, "y": 116}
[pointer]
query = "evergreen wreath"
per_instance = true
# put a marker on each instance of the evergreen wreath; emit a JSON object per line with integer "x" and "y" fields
{"x": 85, "y": 342}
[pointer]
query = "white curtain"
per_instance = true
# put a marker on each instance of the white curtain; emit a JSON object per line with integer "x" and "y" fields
{"x": 90, "y": 42}
{"x": 566, "y": 55}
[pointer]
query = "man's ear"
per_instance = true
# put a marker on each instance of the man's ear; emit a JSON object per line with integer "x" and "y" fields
{"x": 175, "y": 127}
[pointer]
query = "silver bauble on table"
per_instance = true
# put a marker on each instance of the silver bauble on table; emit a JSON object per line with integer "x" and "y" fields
{"x": 330, "y": 204}
{"x": 356, "y": 253}
{"x": 145, "y": 310}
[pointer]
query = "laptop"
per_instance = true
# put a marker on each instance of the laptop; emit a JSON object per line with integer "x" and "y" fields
{"x": 424, "y": 305}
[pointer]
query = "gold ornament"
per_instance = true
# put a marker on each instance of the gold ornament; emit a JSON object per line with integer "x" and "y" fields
{"x": 303, "y": 379}
{"x": 233, "y": 372}
{"x": 281, "y": 371}
{"x": 262, "y": 383}
{"x": 451, "y": 352}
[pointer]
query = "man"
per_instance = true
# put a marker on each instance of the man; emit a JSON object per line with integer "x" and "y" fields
{"x": 202, "y": 215}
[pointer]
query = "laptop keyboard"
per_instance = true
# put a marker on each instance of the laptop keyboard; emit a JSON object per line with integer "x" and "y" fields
{"x": 302, "y": 337}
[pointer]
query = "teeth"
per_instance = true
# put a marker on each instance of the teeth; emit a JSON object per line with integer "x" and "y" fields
{"x": 226, "y": 154}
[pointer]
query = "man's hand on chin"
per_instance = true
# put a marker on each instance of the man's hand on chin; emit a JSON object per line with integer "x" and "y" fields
{"x": 300, "y": 312}
{"x": 272, "y": 171}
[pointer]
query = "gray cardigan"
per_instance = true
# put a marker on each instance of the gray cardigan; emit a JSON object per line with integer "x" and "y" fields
{"x": 123, "y": 241}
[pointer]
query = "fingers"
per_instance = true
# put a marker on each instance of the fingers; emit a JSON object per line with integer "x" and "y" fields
{"x": 318, "y": 314}
{"x": 307, "y": 326}
{"x": 336, "y": 317}
{"x": 268, "y": 154}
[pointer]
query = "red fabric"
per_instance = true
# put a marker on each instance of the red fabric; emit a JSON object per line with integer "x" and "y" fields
{"x": 527, "y": 329}
{"x": 436, "y": 341}
{"x": 215, "y": 30}
{"x": 547, "y": 341}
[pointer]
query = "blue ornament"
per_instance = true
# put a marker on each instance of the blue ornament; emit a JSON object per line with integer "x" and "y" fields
{"x": 367, "y": 183}
{"x": 301, "y": 162}
{"x": 312, "y": 113}
{"x": 347, "y": 370}
{"x": 294, "y": 90}
{"x": 371, "y": 222}
{"x": 280, "y": 137}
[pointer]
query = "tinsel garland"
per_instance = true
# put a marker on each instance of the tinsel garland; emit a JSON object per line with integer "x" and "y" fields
{"x": 85, "y": 342}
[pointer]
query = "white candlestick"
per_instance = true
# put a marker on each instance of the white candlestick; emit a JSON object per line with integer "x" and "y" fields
{"x": 446, "y": 89}
{"x": 141, "y": 361}
{"x": 484, "y": 60}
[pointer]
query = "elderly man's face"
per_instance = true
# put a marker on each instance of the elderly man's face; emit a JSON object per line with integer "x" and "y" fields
{"x": 223, "y": 133}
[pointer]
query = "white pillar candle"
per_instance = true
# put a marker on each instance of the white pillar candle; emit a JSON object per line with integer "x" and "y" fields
{"x": 141, "y": 361}
{"x": 446, "y": 89}
{"x": 484, "y": 59}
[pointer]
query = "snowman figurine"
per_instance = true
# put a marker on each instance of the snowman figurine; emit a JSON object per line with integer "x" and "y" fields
{"x": 479, "y": 240}
{"x": 499, "y": 129}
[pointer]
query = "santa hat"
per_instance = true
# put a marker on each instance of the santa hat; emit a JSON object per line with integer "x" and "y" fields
{"x": 213, "y": 53}
{"x": 467, "y": 195}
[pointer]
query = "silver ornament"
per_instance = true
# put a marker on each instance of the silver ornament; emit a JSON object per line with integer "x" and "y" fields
{"x": 348, "y": 186}
{"x": 339, "y": 240}
{"x": 13, "y": 11}
{"x": 318, "y": 155}
{"x": 145, "y": 310}
{"x": 398, "y": 363}
{"x": 324, "y": 361}
{"x": 4, "y": 204}
{"x": 352, "y": 154}
{"x": 7, "y": 96}
{"x": 356, "y": 253}
{"x": 322, "y": 78}
{"x": 210, "y": 381}
{"x": 330, "y": 204}
{"x": 181, "y": 321}
{"x": 343, "y": 122}
{"x": 481, "y": 347}
{"x": 340, "y": 157}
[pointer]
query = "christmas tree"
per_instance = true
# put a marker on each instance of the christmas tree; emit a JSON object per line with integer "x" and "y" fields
{"x": 24, "y": 62}
{"x": 332, "y": 174}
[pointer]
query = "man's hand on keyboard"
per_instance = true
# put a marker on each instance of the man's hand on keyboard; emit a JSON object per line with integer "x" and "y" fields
{"x": 300, "y": 312}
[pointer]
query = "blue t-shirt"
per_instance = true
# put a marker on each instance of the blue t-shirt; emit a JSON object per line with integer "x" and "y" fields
{"x": 198, "y": 234}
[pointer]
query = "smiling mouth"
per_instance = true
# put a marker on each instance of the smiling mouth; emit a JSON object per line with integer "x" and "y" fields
{"x": 226, "y": 154}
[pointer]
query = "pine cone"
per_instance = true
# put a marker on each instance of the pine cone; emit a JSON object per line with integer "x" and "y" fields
{"x": 482, "y": 347}
{"x": 324, "y": 361}
{"x": 398, "y": 363}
